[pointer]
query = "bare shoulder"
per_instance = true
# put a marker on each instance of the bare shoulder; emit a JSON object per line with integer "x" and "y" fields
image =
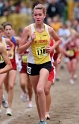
{"x": 53, "y": 33}
{"x": 50, "y": 29}
{"x": 27, "y": 29}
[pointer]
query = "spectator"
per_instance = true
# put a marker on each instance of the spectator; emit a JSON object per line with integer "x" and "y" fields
{"x": 6, "y": 8}
{"x": 25, "y": 9}
{"x": 52, "y": 9}
{"x": 63, "y": 9}
{"x": 75, "y": 24}
{"x": 76, "y": 11}
{"x": 56, "y": 23}
{"x": 64, "y": 32}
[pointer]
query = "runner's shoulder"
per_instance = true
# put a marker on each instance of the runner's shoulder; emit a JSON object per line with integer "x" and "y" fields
{"x": 28, "y": 28}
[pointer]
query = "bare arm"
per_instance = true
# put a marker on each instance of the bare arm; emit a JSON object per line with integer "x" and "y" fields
{"x": 10, "y": 52}
{"x": 24, "y": 44}
{"x": 55, "y": 37}
{"x": 10, "y": 43}
{"x": 6, "y": 59}
{"x": 58, "y": 49}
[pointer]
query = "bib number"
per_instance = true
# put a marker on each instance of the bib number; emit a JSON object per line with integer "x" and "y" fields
{"x": 71, "y": 53}
{"x": 40, "y": 51}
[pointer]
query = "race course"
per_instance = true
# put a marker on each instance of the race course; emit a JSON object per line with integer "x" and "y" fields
{"x": 64, "y": 107}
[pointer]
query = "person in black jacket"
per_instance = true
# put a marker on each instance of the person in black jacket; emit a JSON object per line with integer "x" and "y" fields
{"x": 52, "y": 9}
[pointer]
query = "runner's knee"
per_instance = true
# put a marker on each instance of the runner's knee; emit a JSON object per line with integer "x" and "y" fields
{"x": 39, "y": 90}
{"x": 46, "y": 91}
{"x": 11, "y": 86}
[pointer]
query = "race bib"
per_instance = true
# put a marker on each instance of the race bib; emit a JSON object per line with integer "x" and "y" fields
{"x": 70, "y": 52}
{"x": 12, "y": 56}
{"x": 41, "y": 51}
{"x": 1, "y": 59}
{"x": 24, "y": 58}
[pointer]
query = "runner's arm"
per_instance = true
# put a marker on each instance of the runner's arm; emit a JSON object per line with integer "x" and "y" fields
{"x": 24, "y": 44}
{"x": 11, "y": 44}
{"x": 56, "y": 38}
{"x": 6, "y": 59}
{"x": 58, "y": 49}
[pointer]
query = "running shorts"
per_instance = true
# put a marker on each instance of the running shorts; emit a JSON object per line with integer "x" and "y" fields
{"x": 13, "y": 62}
{"x": 2, "y": 65}
{"x": 34, "y": 69}
{"x": 24, "y": 68}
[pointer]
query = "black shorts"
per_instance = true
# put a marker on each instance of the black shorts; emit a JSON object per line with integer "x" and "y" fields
{"x": 34, "y": 69}
{"x": 2, "y": 65}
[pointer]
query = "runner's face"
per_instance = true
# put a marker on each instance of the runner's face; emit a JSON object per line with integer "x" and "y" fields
{"x": 8, "y": 31}
{"x": 38, "y": 16}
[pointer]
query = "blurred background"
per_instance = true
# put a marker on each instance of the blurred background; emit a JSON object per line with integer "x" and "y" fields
{"x": 19, "y": 12}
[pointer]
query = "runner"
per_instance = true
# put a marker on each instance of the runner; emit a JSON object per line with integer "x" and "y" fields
{"x": 70, "y": 49}
{"x": 39, "y": 62}
{"x": 25, "y": 83}
{"x": 11, "y": 76}
{"x": 5, "y": 64}
{"x": 51, "y": 79}
{"x": 4, "y": 102}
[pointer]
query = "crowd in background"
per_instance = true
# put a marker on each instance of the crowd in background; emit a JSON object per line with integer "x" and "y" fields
{"x": 62, "y": 8}
{"x": 8, "y": 7}
{"x": 54, "y": 7}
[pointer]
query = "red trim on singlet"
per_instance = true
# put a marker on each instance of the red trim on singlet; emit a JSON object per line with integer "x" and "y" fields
{"x": 13, "y": 61}
{"x": 51, "y": 44}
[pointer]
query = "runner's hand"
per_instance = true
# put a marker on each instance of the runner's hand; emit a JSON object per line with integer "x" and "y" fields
{"x": 33, "y": 36}
{"x": 9, "y": 54}
{"x": 48, "y": 49}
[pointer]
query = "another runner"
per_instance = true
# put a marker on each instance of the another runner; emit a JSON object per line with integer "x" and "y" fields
{"x": 5, "y": 64}
{"x": 11, "y": 76}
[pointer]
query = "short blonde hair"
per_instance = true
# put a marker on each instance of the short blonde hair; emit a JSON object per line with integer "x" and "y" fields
{"x": 41, "y": 7}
